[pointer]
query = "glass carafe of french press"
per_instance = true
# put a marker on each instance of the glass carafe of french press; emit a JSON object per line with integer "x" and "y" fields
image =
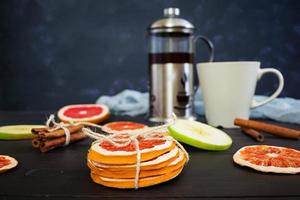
{"x": 171, "y": 66}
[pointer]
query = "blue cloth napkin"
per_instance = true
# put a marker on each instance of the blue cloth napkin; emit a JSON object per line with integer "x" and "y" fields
{"x": 133, "y": 103}
{"x": 128, "y": 102}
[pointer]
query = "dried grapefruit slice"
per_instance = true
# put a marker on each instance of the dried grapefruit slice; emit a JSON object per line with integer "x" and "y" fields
{"x": 7, "y": 162}
{"x": 123, "y": 127}
{"x": 267, "y": 158}
{"x": 107, "y": 153}
{"x": 93, "y": 113}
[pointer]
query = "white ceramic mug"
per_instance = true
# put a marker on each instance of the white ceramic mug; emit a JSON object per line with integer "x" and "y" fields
{"x": 228, "y": 89}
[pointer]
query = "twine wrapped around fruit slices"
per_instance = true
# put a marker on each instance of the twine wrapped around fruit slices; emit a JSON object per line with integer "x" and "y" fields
{"x": 133, "y": 169}
{"x": 175, "y": 164}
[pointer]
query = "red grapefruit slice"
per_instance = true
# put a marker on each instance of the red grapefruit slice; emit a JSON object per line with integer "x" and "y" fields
{"x": 269, "y": 159}
{"x": 123, "y": 127}
{"x": 93, "y": 113}
{"x": 7, "y": 162}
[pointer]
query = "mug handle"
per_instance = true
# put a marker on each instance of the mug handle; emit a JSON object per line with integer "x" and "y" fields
{"x": 278, "y": 90}
{"x": 211, "y": 49}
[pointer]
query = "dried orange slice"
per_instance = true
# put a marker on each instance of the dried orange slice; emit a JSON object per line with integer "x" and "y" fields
{"x": 7, "y": 162}
{"x": 123, "y": 127}
{"x": 269, "y": 159}
{"x": 93, "y": 113}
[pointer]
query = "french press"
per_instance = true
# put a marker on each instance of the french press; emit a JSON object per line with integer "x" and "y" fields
{"x": 171, "y": 66}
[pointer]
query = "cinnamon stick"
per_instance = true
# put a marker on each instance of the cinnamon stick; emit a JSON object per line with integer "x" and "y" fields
{"x": 35, "y": 143}
{"x": 59, "y": 132}
{"x": 57, "y": 142}
{"x": 254, "y": 134}
{"x": 268, "y": 128}
{"x": 35, "y": 131}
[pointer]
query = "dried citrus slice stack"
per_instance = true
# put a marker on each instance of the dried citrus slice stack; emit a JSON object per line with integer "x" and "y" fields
{"x": 267, "y": 158}
{"x": 123, "y": 161}
{"x": 93, "y": 113}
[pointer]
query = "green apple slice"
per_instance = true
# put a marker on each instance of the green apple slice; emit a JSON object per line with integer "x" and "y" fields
{"x": 17, "y": 132}
{"x": 200, "y": 135}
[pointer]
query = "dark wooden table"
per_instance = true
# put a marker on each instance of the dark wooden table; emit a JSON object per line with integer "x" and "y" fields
{"x": 62, "y": 173}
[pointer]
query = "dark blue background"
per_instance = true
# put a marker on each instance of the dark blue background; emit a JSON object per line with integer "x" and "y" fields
{"x": 57, "y": 52}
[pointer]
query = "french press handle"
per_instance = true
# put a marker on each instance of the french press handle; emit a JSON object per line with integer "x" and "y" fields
{"x": 208, "y": 43}
{"x": 211, "y": 50}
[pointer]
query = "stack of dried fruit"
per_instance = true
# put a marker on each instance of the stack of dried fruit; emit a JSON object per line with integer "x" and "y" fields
{"x": 127, "y": 161}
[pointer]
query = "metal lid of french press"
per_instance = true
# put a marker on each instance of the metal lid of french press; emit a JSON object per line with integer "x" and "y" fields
{"x": 171, "y": 23}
